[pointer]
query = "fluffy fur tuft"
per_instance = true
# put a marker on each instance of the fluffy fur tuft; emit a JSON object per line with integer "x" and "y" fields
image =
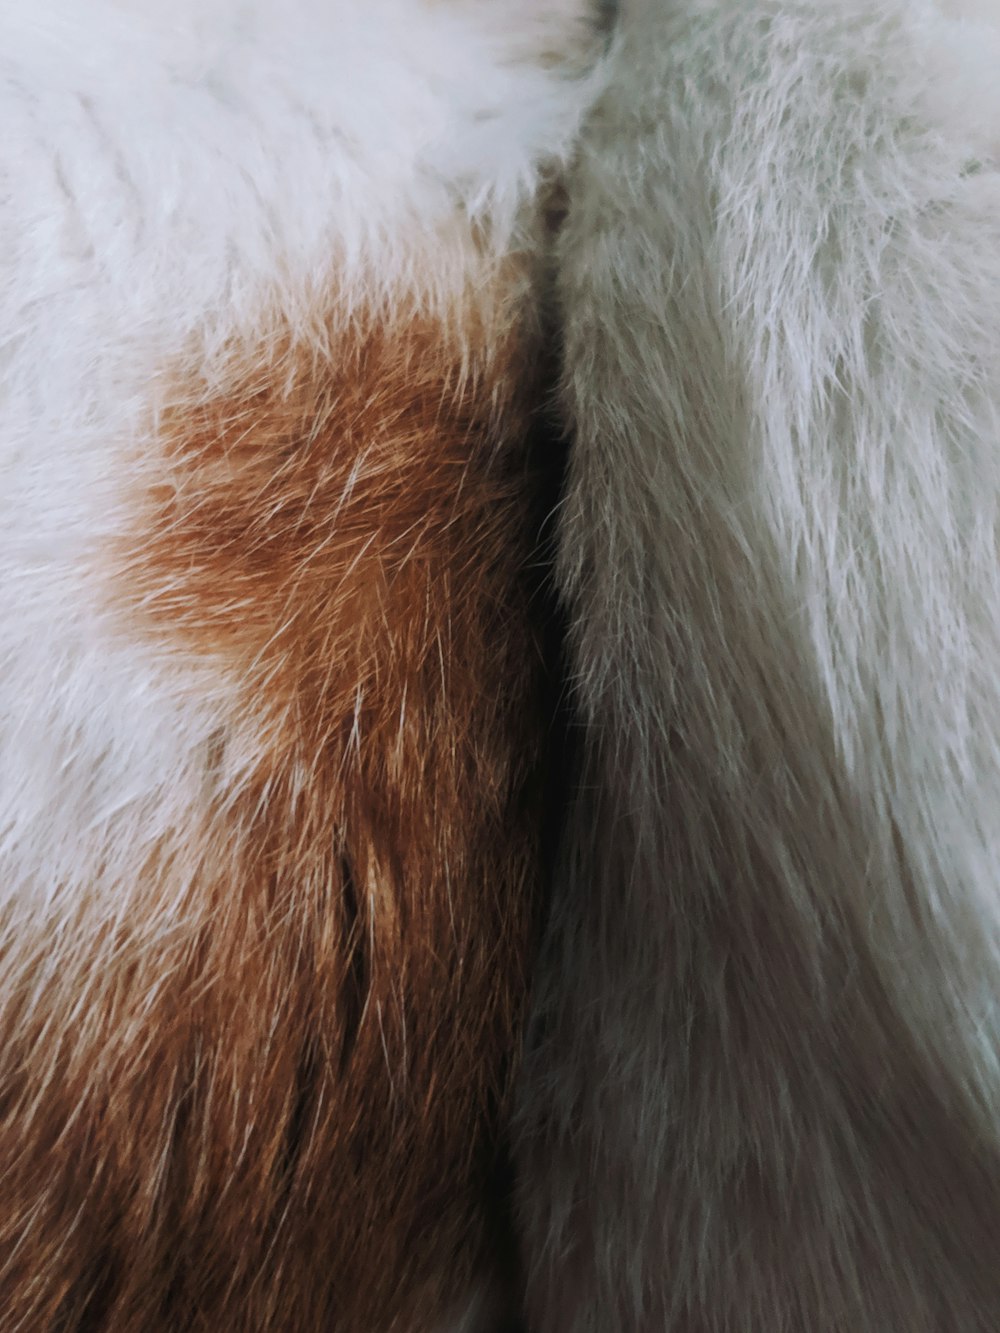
{"x": 270, "y": 722}
{"x": 764, "y": 1088}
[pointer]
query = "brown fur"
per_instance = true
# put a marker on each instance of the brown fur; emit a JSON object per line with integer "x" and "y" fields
{"x": 284, "y": 1113}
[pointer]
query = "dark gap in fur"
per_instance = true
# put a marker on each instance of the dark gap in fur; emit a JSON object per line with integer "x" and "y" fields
{"x": 548, "y": 454}
{"x": 88, "y": 1304}
{"x": 354, "y": 987}
{"x": 176, "y": 1312}
{"x": 303, "y": 1108}
{"x": 546, "y": 463}
{"x": 505, "y": 1247}
{"x": 174, "y": 1307}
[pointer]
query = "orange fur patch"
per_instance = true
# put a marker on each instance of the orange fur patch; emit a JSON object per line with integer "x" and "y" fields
{"x": 284, "y": 1114}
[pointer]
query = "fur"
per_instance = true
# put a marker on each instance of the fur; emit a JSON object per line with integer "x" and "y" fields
{"x": 764, "y": 1082}
{"x": 271, "y": 729}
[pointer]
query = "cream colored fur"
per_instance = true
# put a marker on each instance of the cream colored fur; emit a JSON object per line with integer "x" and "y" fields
{"x": 764, "y": 1095}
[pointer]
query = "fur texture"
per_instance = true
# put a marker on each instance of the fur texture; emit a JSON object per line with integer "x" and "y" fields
{"x": 765, "y": 1080}
{"x": 270, "y": 723}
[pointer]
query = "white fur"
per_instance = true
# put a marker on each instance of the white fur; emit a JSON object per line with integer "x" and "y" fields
{"x": 765, "y": 1091}
{"x": 172, "y": 176}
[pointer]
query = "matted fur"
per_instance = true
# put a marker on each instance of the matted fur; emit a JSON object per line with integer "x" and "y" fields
{"x": 765, "y": 1084}
{"x": 270, "y": 724}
